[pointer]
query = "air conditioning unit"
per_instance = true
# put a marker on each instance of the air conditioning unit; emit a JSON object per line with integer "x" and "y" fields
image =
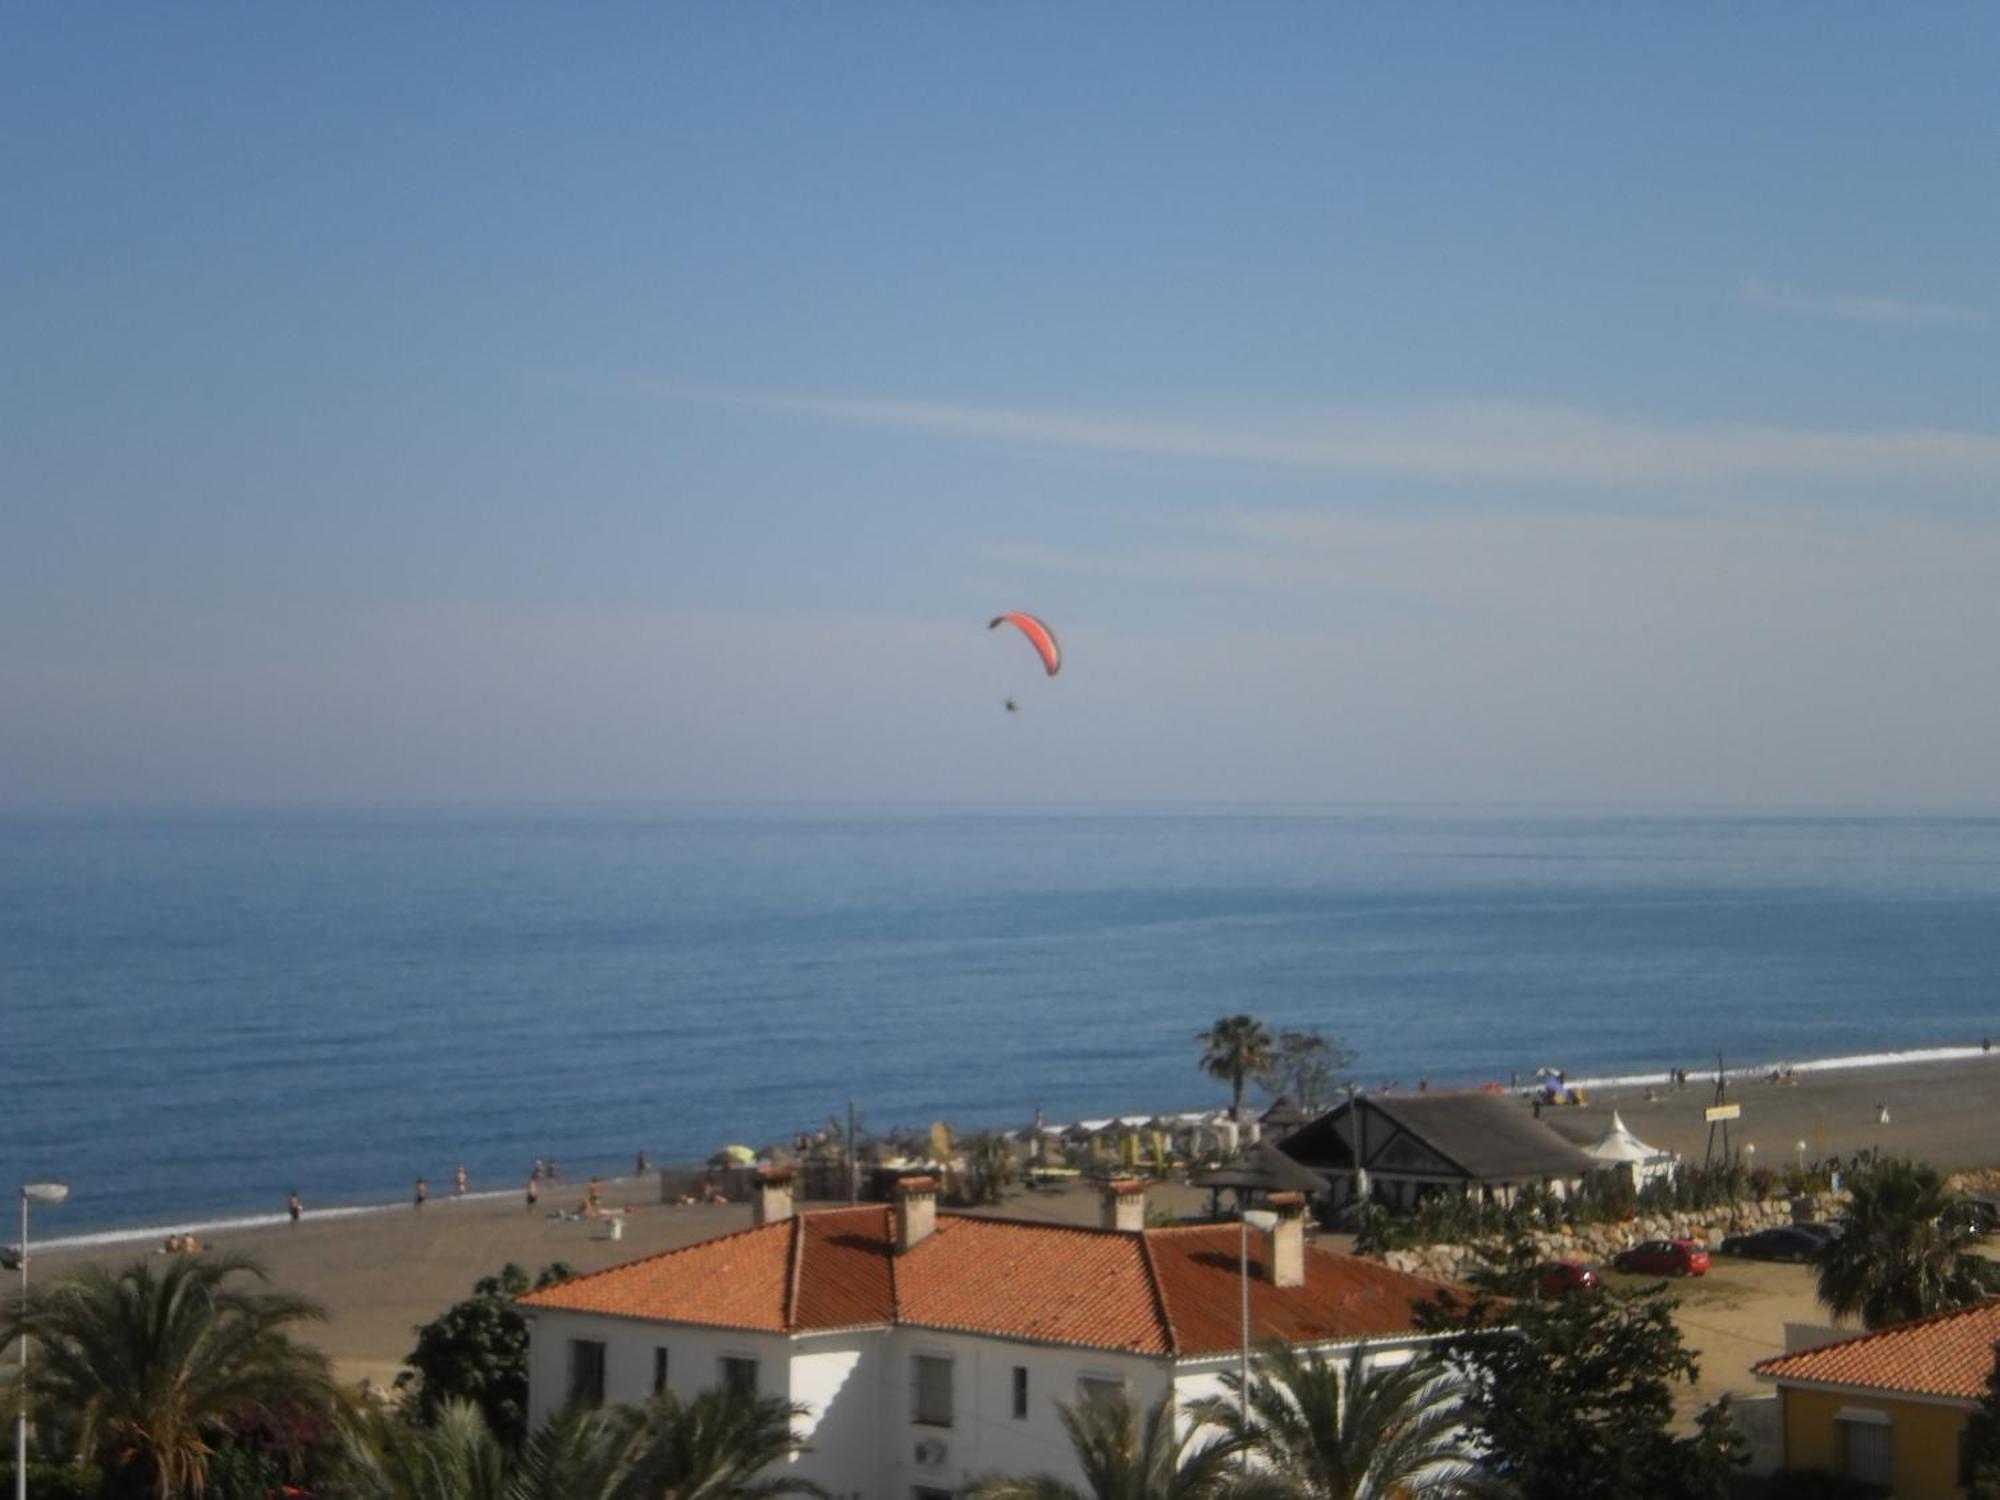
{"x": 931, "y": 1452}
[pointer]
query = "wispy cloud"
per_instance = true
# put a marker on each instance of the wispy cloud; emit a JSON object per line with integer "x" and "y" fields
{"x": 1852, "y": 307}
{"x": 1449, "y": 441}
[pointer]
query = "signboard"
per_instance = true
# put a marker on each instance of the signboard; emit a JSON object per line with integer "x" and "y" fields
{"x": 1722, "y": 1112}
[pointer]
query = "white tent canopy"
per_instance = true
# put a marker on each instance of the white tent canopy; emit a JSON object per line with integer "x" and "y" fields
{"x": 1619, "y": 1148}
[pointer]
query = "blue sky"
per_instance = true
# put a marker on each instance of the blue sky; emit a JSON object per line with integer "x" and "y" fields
{"x": 1383, "y": 403}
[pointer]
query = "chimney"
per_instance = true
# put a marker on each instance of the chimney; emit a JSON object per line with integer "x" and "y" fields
{"x": 1123, "y": 1204}
{"x": 774, "y": 1195}
{"x": 916, "y": 1211}
{"x": 1285, "y": 1249}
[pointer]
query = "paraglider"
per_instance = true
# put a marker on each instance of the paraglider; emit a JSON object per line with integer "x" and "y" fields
{"x": 1039, "y": 636}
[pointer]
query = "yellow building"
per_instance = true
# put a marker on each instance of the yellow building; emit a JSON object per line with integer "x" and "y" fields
{"x": 1889, "y": 1407}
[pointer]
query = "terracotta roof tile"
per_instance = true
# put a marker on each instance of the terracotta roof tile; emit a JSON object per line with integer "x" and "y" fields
{"x": 1948, "y": 1354}
{"x": 1344, "y": 1296}
{"x": 1166, "y": 1291}
{"x": 1056, "y": 1282}
{"x": 845, "y": 1269}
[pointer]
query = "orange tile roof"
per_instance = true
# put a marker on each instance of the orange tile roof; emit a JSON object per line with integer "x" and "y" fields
{"x": 1947, "y": 1354}
{"x": 1344, "y": 1296}
{"x": 1164, "y": 1291}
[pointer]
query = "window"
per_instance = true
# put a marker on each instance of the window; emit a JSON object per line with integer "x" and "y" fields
{"x": 659, "y": 1369}
{"x": 930, "y": 1390}
{"x": 1091, "y": 1389}
{"x": 1864, "y": 1445}
{"x": 1020, "y": 1393}
{"x": 739, "y": 1375}
{"x": 586, "y": 1370}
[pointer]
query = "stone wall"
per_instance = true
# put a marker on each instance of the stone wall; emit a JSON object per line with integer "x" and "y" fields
{"x": 1599, "y": 1242}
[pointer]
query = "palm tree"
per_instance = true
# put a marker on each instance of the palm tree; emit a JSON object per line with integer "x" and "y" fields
{"x": 384, "y": 1456}
{"x": 1349, "y": 1430}
{"x": 148, "y": 1364}
{"x": 715, "y": 1447}
{"x": 1234, "y": 1049}
{"x": 1907, "y": 1251}
{"x": 1126, "y": 1457}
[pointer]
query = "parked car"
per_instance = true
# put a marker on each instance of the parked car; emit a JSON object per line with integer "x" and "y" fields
{"x": 1820, "y": 1234}
{"x": 1559, "y": 1278}
{"x": 1778, "y": 1243}
{"x": 1663, "y": 1258}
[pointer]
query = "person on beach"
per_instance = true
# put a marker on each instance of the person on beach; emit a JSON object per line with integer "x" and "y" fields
{"x": 555, "y": 1173}
{"x": 537, "y": 1172}
{"x": 423, "y": 1192}
{"x": 590, "y": 1194}
{"x": 534, "y": 1187}
{"x": 641, "y": 1167}
{"x": 458, "y": 1183}
{"x": 293, "y": 1206}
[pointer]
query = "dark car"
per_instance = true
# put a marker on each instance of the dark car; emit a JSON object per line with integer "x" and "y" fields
{"x": 1780, "y": 1243}
{"x": 1820, "y": 1234}
{"x": 1663, "y": 1258}
{"x": 1559, "y": 1278}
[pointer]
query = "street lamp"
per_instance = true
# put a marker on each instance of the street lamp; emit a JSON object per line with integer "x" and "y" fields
{"x": 1802, "y": 1158}
{"x": 1265, "y": 1223}
{"x": 50, "y": 1193}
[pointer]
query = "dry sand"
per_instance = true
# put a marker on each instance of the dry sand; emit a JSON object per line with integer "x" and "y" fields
{"x": 381, "y": 1274}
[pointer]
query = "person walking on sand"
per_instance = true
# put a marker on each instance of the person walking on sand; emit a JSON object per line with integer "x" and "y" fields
{"x": 458, "y": 1184}
{"x": 423, "y": 1192}
{"x": 534, "y": 1188}
{"x": 293, "y": 1206}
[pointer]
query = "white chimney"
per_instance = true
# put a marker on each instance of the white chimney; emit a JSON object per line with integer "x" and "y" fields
{"x": 774, "y": 1195}
{"x": 1124, "y": 1204}
{"x": 1285, "y": 1246}
{"x": 916, "y": 1211}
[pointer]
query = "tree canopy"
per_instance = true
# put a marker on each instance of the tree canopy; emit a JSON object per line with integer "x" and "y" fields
{"x": 477, "y": 1351}
{"x": 1907, "y": 1252}
{"x": 1573, "y": 1399}
{"x": 1235, "y": 1049}
{"x": 151, "y": 1367}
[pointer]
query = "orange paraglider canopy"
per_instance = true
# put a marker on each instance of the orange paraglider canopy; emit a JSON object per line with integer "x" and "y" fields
{"x": 1039, "y": 636}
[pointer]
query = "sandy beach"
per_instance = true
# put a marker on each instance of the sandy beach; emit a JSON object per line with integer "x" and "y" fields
{"x": 1945, "y": 1112}
{"x": 381, "y": 1273}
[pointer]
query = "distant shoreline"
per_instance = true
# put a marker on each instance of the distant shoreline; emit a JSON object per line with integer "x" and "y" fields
{"x": 1616, "y": 1083}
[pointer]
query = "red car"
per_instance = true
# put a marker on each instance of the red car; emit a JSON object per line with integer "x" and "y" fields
{"x": 1559, "y": 1278}
{"x": 1663, "y": 1258}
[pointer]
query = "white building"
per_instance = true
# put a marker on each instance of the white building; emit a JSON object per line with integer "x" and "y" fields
{"x": 930, "y": 1349}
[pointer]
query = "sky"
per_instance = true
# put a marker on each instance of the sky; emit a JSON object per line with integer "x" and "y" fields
{"x": 1382, "y": 403}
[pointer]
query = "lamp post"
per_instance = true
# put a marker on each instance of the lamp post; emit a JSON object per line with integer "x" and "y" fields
{"x": 1802, "y": 1158}
{"x": 50, "y": 1193}
{"x": 1265, "y": 1222}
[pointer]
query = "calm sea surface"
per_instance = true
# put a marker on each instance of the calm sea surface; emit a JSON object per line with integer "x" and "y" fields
{"x": 202, "y": 1011}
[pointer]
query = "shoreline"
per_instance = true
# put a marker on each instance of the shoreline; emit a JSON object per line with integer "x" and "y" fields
{"x": 1609, "y": 1084}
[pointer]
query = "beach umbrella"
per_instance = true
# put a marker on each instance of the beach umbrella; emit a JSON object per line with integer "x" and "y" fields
{"x": 740, "y": 1156}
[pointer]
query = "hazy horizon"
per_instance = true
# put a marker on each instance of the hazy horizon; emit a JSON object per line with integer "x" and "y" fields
{"x": 1385, "y": 407}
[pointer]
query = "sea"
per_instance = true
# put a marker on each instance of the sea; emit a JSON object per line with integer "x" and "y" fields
{"x": 201, "y": 1011}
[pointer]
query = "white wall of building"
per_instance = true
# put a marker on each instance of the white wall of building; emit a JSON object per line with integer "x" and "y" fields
{"x": 985, "y": 1437}
{"x": 859, "y": 1390}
